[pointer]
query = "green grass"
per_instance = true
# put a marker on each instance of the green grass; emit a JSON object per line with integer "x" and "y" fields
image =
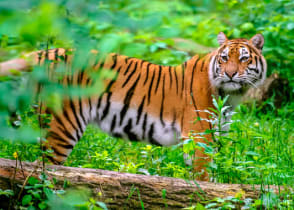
{"x": 258, "y": 150}
{"x": 98, "y": 150}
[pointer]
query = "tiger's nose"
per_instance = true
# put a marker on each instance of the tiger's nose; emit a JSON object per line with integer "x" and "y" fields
{"x": 230, "y": 74}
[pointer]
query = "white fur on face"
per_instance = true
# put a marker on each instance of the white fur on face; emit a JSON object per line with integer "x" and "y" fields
{"x": 243, "y": 54}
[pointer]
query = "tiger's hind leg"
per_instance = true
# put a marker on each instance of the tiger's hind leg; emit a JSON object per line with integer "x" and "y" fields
{"x": 66, "y": 128}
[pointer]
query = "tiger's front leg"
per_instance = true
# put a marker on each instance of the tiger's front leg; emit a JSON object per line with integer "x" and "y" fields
{"x": 199, "y": 161}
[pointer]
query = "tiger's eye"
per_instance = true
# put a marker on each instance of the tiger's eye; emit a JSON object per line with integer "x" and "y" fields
{"x": 224, "y": 58}
{"x": 244, "y": 59}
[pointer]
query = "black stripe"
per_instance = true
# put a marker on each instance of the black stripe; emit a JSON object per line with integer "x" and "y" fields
{"x": 90, "y": 107}
{"x": 57, "y": 152}
{"x": 192, "y": 77}
{"x": 195, "y": 64}
{"x": 140, "y": 109}
{"x": 39, "y": 57}
{"x": 64, "y": 130}
{"x": 55, "y": 135}
{"x": 51, "y": 159}
{"x": 215, "y": 72}
{"x": 88, "y": 82}
{"x": 262, "y": 68}
{"x": 117, "y": 135}
{"x": 113, "y": 123}
{"x": 99, "y": 101}
{"x": 162, "y": 103}
{"x": 80, "y": 77}
{"x": 75, "y": 115}
{"x": 65, "y": 146}
{"x": 209, "y": 124}
{"x": 127, "y": 130}
{"x": 46, "y": 54}
{"x": 253, "y": 69}
{"x": 195, "y": 107}
{"x": 56, "y": 54}
{"x": 130, "y": 76}
{"x": 182, "y": 120}
{"x": 170, "y": 77}
{"x": 257, "y": 53}
{"x": 144, "y": 126}
{"x": 55, "y": 57}
{"x": 65, "y": 114}
{"x": 65, "y": 56}
{"x": 191, "y": 90}
{"x": 147, "y": 69}
{"x": 150, "y": 87}
{"x": 202, "y": 65}
{"x": 128, "y": 68}
{"x": 158, "y": 79}
{"x": 174, "y": 118}
{"x": 176, "y": 76}
{"x": 114, "y": 58}
{"x": 142, "y": 64}
{"x": 127, "y": 59}
{"x": 183, "y": 79}
{"x": 107, "y": 89}
{"x": 107, "y": 106}
{"x": 81, "y": 111}
{"x": 127, "y": 99}
{"x": 150, "y": 135}
{"x": 256, "y": 63}
{"x": 101, "y": 66}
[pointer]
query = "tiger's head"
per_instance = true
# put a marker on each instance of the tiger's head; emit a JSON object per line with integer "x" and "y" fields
{"x": 237, "y": 64}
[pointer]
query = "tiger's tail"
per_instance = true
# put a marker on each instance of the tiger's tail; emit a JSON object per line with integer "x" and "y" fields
{"x": 14, "y": 66}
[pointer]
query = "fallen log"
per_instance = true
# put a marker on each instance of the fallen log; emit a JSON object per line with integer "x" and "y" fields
{"x": 115, "y": 188}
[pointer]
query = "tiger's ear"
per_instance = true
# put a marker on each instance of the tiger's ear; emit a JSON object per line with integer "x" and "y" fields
{"x": 257, "y": 41}
{"x": 221, "y": 38}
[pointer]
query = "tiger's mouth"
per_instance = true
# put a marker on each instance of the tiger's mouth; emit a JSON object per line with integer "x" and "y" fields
{"x": 231, "y": 86}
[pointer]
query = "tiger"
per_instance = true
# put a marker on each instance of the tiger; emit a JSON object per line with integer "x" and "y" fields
{"x": 148, "y": 102}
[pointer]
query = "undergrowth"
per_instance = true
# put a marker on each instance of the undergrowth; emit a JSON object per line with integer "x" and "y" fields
{"x": 258, "y": 149}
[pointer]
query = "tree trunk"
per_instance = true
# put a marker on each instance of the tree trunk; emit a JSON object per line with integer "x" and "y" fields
{"x": 115, "y": 189}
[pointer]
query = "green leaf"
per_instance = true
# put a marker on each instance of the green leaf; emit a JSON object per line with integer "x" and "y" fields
{"x": 33, "y": 181}
{"x": 247, "y": 26}
{"x": 31, "y": 208}
{"x": 207, "y": 149}
{"x": 210, "y": 205}
{"x": 42, "y": 205}
{"x": 102, "y": 205}
{"x": 199, "y": 206}
{"x": 26, "y": 200}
